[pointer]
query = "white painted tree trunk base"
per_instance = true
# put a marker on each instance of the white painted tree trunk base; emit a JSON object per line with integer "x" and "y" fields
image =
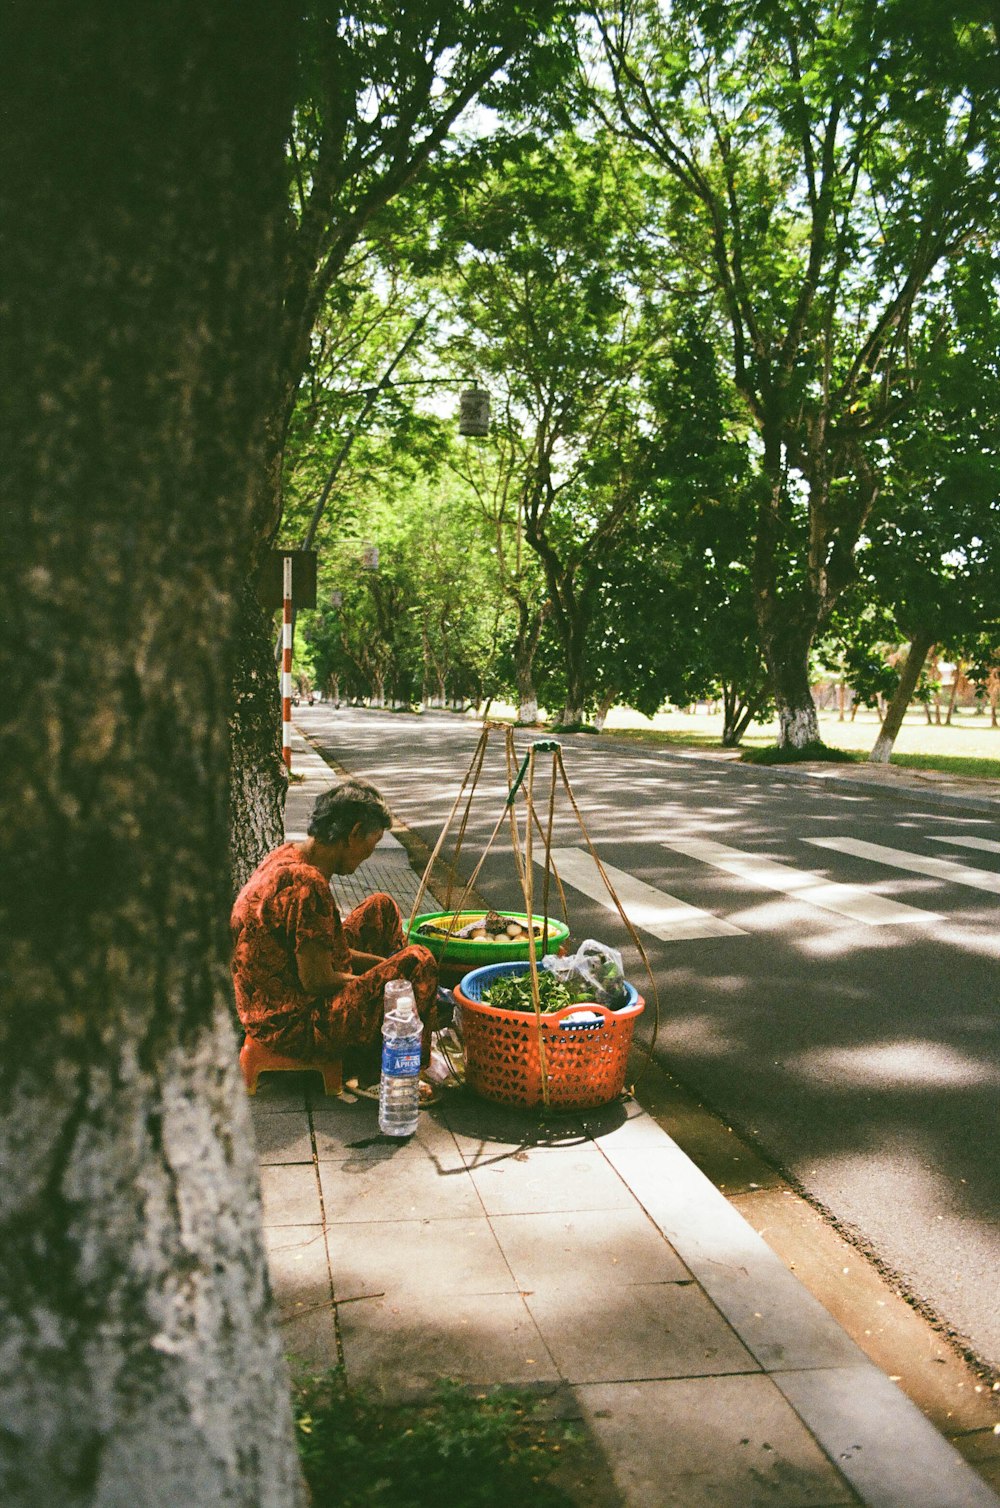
{"x": 882, "y": 750}
{"x": 798, "y": 727}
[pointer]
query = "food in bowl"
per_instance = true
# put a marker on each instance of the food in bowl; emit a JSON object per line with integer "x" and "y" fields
{"x": 490, "y": 926}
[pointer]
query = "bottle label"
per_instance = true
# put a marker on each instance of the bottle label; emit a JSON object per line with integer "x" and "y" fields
{"x": 401, "y": 1058}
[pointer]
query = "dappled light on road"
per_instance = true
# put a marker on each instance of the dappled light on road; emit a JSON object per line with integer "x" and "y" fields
{"x": 893, "y": 1065}
{"x": 700, "y": 1034}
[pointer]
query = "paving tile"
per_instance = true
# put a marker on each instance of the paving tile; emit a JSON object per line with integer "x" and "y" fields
{"x": 300, "y": 1279}
{"x": 400, "y": 1188}
{"x": 890, "y": 1453}
{"x": 629, "y": 1333}
{"x": 426, "y": 1256}
{"x": 414, "y": 1341}
{"x": 711, "y": 1442}
{"x": 483, "y": 1129}
{"x": 623, "y": 1125}
{"x": 283, "y": 1138}
{"x": 777, "y": 1319}
{"x": 280, "y": 1091}
{"x": 547, "y": 1179}
{"x": 298, "y": 1266}
{"x": 349, "y": 1133}
{"x": 587, "y": 1249}
{"x": 290, "y": 1195}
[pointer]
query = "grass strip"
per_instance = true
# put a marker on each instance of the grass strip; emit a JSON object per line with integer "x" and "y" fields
{"x": 808, "y": 754}
{"x": 484, "y": 1449}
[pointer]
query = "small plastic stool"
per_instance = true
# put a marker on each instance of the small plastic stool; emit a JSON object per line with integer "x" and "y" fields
{"x": 256, "y": 1059}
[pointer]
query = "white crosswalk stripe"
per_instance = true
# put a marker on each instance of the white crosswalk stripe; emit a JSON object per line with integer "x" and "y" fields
{"x": 852, "y": 901}
{"x": 648, "y": 909}
{"x": 986, "y": 845}
{"x": 897, "y": 858}
{"x": 672, "y": 920}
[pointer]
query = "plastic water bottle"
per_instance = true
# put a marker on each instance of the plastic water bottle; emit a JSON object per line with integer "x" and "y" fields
{"x": 399, "y": 1092}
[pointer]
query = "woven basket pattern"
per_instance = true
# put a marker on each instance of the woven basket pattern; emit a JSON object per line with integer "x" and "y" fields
{"x": 585, "y": 1065}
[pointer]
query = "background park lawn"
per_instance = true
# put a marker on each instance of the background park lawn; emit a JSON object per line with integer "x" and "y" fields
{"x": 969, "y": 746}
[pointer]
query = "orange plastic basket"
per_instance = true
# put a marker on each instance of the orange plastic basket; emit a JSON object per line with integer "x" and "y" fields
{"x": 586, "y": 1047}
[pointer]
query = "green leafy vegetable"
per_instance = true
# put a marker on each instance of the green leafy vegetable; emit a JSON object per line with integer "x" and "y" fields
{"x": 512, "y": 992}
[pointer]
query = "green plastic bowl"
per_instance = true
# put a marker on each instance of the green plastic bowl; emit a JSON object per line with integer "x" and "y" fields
{"x": 461, "y": 950}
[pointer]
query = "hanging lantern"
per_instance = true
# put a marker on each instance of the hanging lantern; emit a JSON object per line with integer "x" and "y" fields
{"x": 474, "y": 412}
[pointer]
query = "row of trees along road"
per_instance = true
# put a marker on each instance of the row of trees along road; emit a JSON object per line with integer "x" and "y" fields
{"x": 738, "y": 277}
{"x": 740, "y": 317}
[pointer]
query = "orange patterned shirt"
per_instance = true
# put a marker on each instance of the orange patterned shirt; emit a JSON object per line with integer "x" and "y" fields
{"x": 285, "y": 903}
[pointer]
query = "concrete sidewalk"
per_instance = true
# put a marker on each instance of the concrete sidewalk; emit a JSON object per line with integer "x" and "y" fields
{"x": 584, "y": 1255}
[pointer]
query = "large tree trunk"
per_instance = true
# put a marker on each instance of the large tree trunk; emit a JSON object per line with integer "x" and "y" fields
{"x": 920, "y": 647}
{"x": 604, "y": 706}
{"x": 258, "y": 779}
{"x": 786, "y": 619}
{"x": 573, "y": 622}
{"x": 529, "y": 628}
{"x": 953, "y": 695}
{"x": 788, "y": 663}
{"x": 737, "y": 716}
{"x": 527, "y": 701}
{"x": 141, "y": 1360}
{"x": 574, "y": 708}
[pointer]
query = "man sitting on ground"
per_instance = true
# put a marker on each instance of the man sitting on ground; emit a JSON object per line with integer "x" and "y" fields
{"x": 308, "y": 983}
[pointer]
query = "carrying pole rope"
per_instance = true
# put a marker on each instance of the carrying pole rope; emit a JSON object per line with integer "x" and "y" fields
{"x": 479, "y": 755}
{"x": 453, "y": 866}
{"x": 504, "y": 814}
{"x": 549, "y": 864}
{"x": 525, "y": 866}
{"x": 510, "y": 804}
{"x": 630, "y": 929}
{"x": 529, "y": 910}
{"x": 541, "y": 746}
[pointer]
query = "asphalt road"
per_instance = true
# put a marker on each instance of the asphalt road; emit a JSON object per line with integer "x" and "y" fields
{"x": 857, "y": 1042}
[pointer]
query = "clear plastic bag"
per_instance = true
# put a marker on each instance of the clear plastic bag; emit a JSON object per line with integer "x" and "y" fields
{"x": 447, "y": 1061}
{"x": 595, "y": 968}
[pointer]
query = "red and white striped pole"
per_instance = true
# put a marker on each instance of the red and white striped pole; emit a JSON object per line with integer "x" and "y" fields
{"x": 286, "y": 665}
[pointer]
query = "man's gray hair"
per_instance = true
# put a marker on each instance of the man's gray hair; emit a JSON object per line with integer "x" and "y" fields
{"x": 338, "y": 811}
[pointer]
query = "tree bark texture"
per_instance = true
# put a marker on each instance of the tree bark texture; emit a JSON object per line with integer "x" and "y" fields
{"x": 920, "y": 647}
{"x": 529, "y": 630}
{"x": 604, "y": 706}
{"x": 258, "y": 779}
{"x": 786, "y": 647}
{"x": 787, "y": 618}
{"x": 140, "y": 1362}
{"x": 737, "y": 716}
